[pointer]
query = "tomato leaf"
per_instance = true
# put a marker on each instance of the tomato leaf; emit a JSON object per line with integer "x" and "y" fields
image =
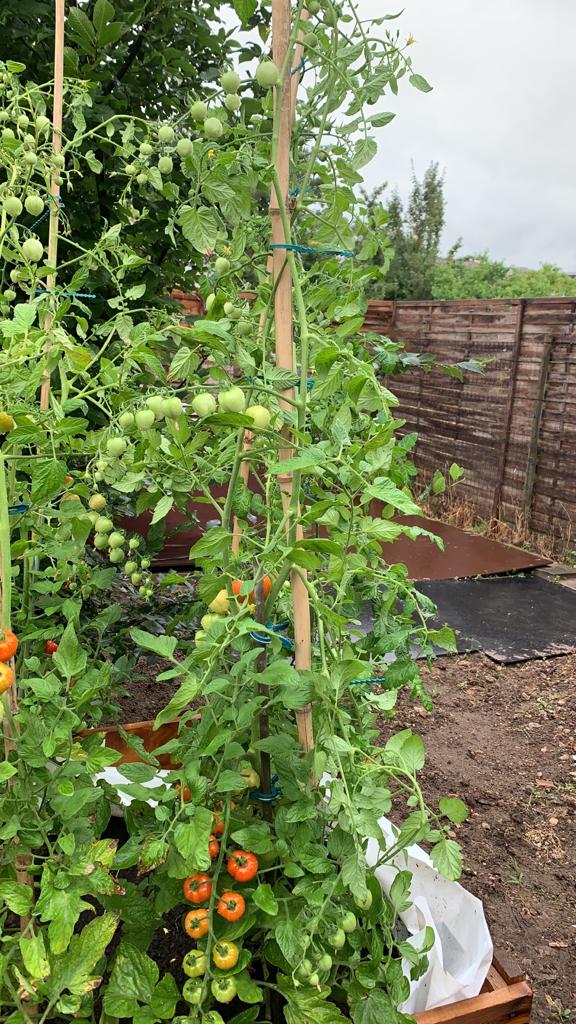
{"x": 17, "y": 897}
{"x": 454, "y": 809}
{"x": 447, "y": 858}
{"x": 264, "y": 898}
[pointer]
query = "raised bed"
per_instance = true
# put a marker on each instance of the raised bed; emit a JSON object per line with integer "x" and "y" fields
{"x": 505, "y": 995}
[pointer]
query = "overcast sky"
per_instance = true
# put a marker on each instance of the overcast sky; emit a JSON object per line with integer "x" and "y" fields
{"x": 500, "y": 122}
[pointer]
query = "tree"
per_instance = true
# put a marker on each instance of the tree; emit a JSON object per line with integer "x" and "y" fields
{"x": 479, "y": 277}
{"x": 150, "y": 56}
{"x": 414, "y": 234}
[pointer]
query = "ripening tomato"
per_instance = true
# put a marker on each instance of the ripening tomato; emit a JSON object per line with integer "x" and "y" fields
{"x": 266, "y": 588}
{"x": 184, "y": 793}
{"x": 196, "y": 923}
{"x": 50, "y": 647}
{"x": 213, "y": 847}
{"x": 242, "y": 866}
{"x": 198, "y": 888}
{"x": 8, "y": 644}
{"x": 6, "y": 677}
{"x": 236, "y": 587}
{"x": 218, "y": 822}
{"x": 225, "y": 955}
{"x": 195, "y": 963}
{"x": 231, "y": 906}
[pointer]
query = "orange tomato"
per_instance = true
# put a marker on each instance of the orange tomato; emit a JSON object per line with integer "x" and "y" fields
{"x": 6, "y": 677}
{"x": 196, "y": 923}
{"x": 8, "y": 644}
{"x": 213, "y": 847}
{"x": 266, "y": 588}
{"x": 198, "y": 888}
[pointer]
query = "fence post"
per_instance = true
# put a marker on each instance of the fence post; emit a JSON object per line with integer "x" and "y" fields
{"x": 510, "y": 408}
{"x": 535, "y": 433}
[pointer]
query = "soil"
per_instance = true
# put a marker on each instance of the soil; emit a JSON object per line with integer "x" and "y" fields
{"x": 504, "y": 739}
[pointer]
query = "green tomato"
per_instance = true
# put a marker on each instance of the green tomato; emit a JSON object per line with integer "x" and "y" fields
{"x": 12, "y": 206}
{"x": 223, "y": 989}
{"x": 192, "y": 991}
{"x": 267, "y": 74}
{"x": 145, "y": 563}
{"x": 136, "y": 578}
{"x": 130, "y": 169}
{"x": 134, "y": 543}
{"x": 58, "y": 161}
{"x": 7, "y": 134}
{"x": 337, "y": 939}
{"x": 117, "y": 555}
{"x": 126, "y": 420}
{"x": 103, "y": 524}
{"x": 213, "y": 128}
{"x": 34, "y": 204}
{"x": 30, "y": 159}
{"x": 310, "y": 39}
{"x": 304, "y": 969}
{"x": 9, "y": 295}
{"x": 166, "y": 133}
{"x": 208, "y": 620}
{"x": 204, "y": 405}
{"x": 198, "y": 110}
{"x": 212, "y": 1017}
{"x": 325, "y": 962}
{"x": 232, "y": 311}
{"x": 165, "y": 165}
{"x": 42, "y": 123}
{"x": 97, "y": 502}
{"x": 195, "y": 963}
{"x": 142, "y": 178}
{"x": 314, "y": 979}
{"x": 116, "y": 446}
{"x": 349, "y": 922}
{"x": 142, "y": 591}
{"x": 211, "y": 299}
{"x": 116, "y": 540}
{"x": 243, "y": 328}
{"x": 93, "y": 517}
{"x": 232, "y": 400}
{"x": 146, "y": 149}
{"x": 156, "y": 404}
{"x": 184, "y": 147}
{"x": 232, "y": 102}
{"x": 364, "y": 904}
{"x": 260, "y": 416}
{"x": 173, "y": 408}
{"x": 100, "y": 541}
{"x": 23, "y": 121}
{"x": 148, "y": 592}
{"x": 230, "y": 81}
{"x": 144, "y": 419}
{"x": 98, "y": 476}
{"x": 130, "y": 567}
{"x": 221, "y": 265}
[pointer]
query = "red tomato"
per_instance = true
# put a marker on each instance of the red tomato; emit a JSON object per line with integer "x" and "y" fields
{"x": 198, "y": 888}
{"x": 231, "y": 906}
{"x": 213, "y": 847}
{"x": 50, "y": 647}
{"x": 242, "y": 866}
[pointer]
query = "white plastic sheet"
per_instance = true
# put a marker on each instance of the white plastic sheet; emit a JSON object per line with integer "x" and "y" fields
{"x": 462, "y": 951}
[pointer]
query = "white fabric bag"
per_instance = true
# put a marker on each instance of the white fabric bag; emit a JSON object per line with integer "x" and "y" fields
{"x": 462, "y": 953}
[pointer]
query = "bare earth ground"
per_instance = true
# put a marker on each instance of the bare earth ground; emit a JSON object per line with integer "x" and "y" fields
{"x": 504, "y": 739}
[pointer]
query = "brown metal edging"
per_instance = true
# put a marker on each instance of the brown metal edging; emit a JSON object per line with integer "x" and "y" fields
{"x": 510, "y": 407}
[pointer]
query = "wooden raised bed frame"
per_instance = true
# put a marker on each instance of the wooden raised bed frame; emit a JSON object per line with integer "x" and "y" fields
{"x": 505, "y": 996}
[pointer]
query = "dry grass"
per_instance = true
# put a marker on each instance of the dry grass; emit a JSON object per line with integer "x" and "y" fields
{"x": 457, "y": 510}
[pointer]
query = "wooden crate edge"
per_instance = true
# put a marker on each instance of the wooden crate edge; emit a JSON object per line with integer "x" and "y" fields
{"x": 510, "y": 1002}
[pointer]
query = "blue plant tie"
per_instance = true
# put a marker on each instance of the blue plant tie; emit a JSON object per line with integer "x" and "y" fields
{"x": 59, "y": 204}
{"x": 277, "y": 628}
{"x": 300, "y": 67}
{"x": 267, "y": 798}
{"x": 311, "y": 250}
{"x": 77, "y": 295}
{"x": 373, "y": 681}
{"x": 17, "y": 510}
{"x": 294, "y": 191}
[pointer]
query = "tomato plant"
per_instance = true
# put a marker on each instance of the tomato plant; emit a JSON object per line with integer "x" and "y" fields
{"x": 277, "y": 780}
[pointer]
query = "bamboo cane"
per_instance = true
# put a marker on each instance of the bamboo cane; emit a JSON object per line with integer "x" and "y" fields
{"x": 57, "y": 107}
{"x": 284, "y": 347}
{"x": 296, "y": 75}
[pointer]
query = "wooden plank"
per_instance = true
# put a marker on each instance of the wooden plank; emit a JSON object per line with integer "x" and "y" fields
{"x": 509, "y": 1003}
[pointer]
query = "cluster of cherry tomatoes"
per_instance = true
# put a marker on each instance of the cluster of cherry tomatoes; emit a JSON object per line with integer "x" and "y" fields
{"x": 8, "y": 648}
{"x": 230, "y": 905}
